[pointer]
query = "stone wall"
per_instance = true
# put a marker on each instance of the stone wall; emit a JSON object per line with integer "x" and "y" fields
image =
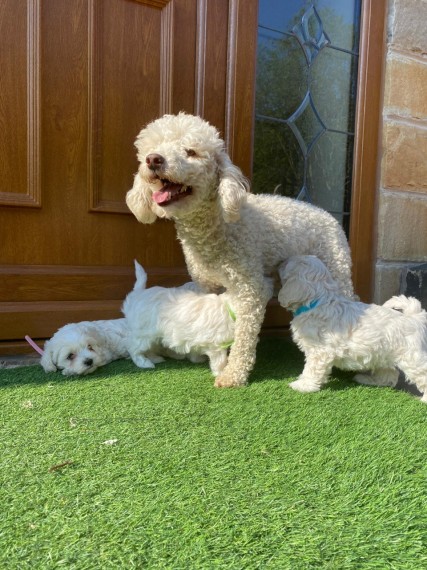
{"x": 402, "y": 201}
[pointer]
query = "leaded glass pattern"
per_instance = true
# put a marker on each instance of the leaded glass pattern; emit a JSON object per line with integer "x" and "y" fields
{"x": 305, "y": 101}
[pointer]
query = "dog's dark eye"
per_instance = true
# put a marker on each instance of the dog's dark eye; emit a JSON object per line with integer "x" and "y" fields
{"x": 71, "y": 356}
{"x": 90, "y": 347}
{"x": 190, "y": 152}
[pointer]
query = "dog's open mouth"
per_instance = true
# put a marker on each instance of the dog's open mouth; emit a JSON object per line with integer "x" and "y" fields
{"x": 171, "y": 192}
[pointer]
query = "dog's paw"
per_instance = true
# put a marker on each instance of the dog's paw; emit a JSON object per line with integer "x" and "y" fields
{"x": 385, "y": 378}
{"x": 142, "y": 362}
{"x": 156, "y": 358}
{"x": 424, "y": 398}
{"x": 365, "y": 379}
{"x": 228, "y": 381}
{"x": 197, "y": 358}
{"x": 304, "y": 387}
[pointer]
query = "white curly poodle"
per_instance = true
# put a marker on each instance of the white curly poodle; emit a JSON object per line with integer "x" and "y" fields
{"x": 333, "y": 330}
{"x": 230, "y": 238}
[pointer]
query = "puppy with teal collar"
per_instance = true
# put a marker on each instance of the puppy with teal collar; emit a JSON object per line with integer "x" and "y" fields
{"x": 333, "y": 330}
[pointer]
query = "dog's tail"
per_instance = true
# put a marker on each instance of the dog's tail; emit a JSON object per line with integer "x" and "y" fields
{"x": 140, "y": 276}
{"x": 406, "y": 305}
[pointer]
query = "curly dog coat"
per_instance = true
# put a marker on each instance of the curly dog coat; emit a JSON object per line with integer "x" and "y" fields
{"x": 230, "y": 238}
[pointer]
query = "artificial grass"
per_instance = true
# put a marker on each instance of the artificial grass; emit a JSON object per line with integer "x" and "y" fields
{"x": 201, "y": 478}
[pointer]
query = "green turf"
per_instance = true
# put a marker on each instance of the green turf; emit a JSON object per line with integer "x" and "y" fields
{"x": 201, "y": 478}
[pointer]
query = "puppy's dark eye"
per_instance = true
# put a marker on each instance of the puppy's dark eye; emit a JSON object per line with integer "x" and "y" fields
{"x": 71, "y": 356}
{"x": 90, "y": 347}
{"x": 190, "y": 152}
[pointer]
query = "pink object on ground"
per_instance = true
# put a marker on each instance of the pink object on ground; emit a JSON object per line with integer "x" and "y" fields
{"x": 33, "y": 344}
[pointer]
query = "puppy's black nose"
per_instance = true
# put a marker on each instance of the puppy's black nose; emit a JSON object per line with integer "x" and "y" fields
{"x": 88, "y": 361}
{"x": 154, "y": 161}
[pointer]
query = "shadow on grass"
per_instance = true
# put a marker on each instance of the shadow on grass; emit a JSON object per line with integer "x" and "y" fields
{"x": 278, "y": 359}
{"x": 35, "y": 374}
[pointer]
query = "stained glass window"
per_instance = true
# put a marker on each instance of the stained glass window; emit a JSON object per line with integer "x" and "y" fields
{"x": 307, "y": 61}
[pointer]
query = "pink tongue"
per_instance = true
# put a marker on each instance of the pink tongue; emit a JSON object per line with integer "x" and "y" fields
{"x": 166, "y": 193}
{"x": 161, "y": 196}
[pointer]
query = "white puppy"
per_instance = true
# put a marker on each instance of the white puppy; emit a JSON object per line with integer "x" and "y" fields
{"x": 333, "y": 330}
{"x": 81, "y": 348}
{"x": 182, "y": 319}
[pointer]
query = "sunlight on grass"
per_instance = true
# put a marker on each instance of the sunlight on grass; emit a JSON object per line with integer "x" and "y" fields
{"x": 158, "y": 469}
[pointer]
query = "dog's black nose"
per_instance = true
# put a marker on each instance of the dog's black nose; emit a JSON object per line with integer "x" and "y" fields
{"x": 88, "y": 361}
{"x": 154, "y": 161}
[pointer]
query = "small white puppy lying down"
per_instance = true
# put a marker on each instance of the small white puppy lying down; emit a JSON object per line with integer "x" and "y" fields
{"x": 81, "y": 348}
{"x": 333, "y": 330}
{"x": 182, "y": 319}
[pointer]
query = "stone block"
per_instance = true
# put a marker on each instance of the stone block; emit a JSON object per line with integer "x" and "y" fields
{"x": 404, "y": 164}
{"x": 387, "y": 281}
{"x": 397, "y": 278}
{"x": 402, "y": 227}
{"x": 407, "y": 25}
{"x": 405, "y": 87}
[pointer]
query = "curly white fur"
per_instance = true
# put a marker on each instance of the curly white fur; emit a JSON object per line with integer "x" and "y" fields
{"x": 81, "y": 348}
{"x": 230, "y": 238}
{"x": 351, "y": 335}
{"x": 182, "y": 319}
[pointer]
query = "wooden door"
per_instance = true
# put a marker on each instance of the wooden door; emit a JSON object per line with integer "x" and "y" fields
{"x": 78, "y": 80}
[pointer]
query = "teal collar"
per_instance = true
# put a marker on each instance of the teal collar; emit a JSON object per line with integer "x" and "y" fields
{"x": 305, "y": 308}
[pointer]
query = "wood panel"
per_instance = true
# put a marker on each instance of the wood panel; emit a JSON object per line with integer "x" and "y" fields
{"x": 122, "y": 61}
{"x": 367, "y": 144}
{"x": 28, "y": 283}
{"x": 184, "y": 55}
{"x": 19, "y": 103}
{"x": 63, "y": 231}
{"x": 211, "y": 64}
{"x": 241, "y": 61}
{"x": 40, "y": 299}
{"x": 41, "y": 319}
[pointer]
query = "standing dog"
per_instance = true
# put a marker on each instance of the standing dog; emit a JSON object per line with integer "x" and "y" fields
{"x": 230, "y": 238}
{"x": 332, "y": 330}
{"x": 182, "y": 320}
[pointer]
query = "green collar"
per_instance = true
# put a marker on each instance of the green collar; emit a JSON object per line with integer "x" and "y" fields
{"x": 231, "y": 312}
{"x": 233, "y": 318}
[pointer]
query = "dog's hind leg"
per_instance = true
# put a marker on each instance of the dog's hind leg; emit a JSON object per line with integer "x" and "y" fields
{"x": 380, "y": 377}
{"x": 217, "y": 360}
{"x": 155, "y": 358}
{"x": 138, "y": 351}
{"x": 415, "y": 370}
{"x": 315, "y": 374}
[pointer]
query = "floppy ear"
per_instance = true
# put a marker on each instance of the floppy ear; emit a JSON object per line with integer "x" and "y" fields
{"x": 46, "y": 359}
{"x": 295, "y": 292}
{"x": 232, "y": 188}
{"x": 139, "y": 201}
{"x": 297, "y": 285}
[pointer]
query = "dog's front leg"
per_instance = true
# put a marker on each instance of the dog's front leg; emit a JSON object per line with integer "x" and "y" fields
{"x": 249, "y": 306}
{"x": 315, "y": 374}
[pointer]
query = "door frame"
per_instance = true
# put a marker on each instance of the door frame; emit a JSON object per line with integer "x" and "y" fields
{"x": 366, "y": 161}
